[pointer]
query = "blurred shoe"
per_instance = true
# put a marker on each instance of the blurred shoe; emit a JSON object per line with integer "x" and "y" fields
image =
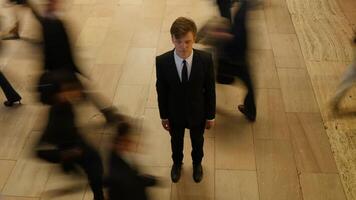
{"x": 175, "y": 172}
{"x": 10, "y": 103}
{"x": 247, "y": 114}
{"x": 197, "y": 173}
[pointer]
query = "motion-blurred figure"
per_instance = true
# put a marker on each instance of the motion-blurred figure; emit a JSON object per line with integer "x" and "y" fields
{"x": 57, "y": 53}
{"x": 10, "y": 93}
{"x": 347, "y": 81}
{"x": 231, "y": 42}
{"x": 124, "y": 181}
{"x": 61, "y": 141}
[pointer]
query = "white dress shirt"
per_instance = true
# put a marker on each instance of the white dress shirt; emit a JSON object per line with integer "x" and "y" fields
{"x": 179, "y": 64}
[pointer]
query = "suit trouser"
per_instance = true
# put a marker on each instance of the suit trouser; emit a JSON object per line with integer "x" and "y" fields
{"x": 242, "y": 72}
{"x": 9, "y": 91}
{"x": 197, "y": 142}
{"x": 89, "y": 161}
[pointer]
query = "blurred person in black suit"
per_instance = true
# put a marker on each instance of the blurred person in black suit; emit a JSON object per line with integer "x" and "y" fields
{"x": 233, "y": 60}
{"x": 186, "y": 95}
{"x": 57, "y": 53}
{"x": 231, "y": 42}
{"x": 61, "y": 141}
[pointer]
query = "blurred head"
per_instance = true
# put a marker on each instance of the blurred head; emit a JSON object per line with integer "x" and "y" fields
{"x": 183, "y": 32}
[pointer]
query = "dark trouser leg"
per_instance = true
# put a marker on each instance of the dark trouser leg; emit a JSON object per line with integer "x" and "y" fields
{"x": 177, "y": 142}
{"x": 197, "y": 140}
{"x": 241, "y": 70}
{"x": 224, "y": 8}
{"x": 9, "y": 91}
{"x": 249, "y": 102}
{"x": 93, "y": 167}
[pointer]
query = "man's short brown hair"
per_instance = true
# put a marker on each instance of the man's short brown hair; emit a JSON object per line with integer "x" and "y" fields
{"x": 181, "y": 26}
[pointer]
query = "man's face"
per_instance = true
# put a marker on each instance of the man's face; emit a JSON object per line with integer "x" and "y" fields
{"x": 184, "y": 45}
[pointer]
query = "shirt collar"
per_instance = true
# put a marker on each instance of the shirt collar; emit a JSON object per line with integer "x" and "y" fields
{"x": 180, "y": 60}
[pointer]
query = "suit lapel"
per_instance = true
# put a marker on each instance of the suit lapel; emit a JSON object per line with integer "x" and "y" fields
{"x": 194, "y": 67}
{"x": 173, "y": 67}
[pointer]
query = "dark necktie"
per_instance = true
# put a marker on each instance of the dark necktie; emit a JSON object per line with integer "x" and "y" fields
{"x": 184, "y": 72}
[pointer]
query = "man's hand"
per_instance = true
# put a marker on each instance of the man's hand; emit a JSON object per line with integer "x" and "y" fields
{"x": 165, "y": 124}
{"x": 209, "y": 124}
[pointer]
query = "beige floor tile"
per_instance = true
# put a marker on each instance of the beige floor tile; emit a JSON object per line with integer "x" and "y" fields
{"x": 162, "y": 191}
{"x": 297, "y": 91}
{"x": 138, "y": 60}
{"x": 94, "y": 32}
{"x": 325, "y": 77}
{"x": 21, "y": 182}
{"x": 105, "y": 80}
{"x": 258, "y": 34}
{"x": 64, "y": 187}
{"x": 104, "y": 10}
{"x": 186, "y": 188}
{"x": 155, "y": 144}
{"x": 164, "y": 43}
{"x": 152, "y": 101}
{"x": 271, "y": 121}
{"x": 147, "y": 33}
{"x": 172, "y": 12}
{"x": 324, "y": 39}
{"x": 263, "y": 69}
{"x": 130, "y": 2}
{"x": 153, "y": 10}
{"x": 26, "y": 170}
{"x": 131, "y": 99}
{"x": 114, "y": 48}
{"x": 275, "y": 3}
{"x": 347, "y": 5}
{"x": 6, "y": 168}
{"x": 287, "y": 51}
{"x": 351, "y": 16}
{"x": 321, "y": 186}
{"x": 278, "y": 20}
{"x": 310, "y": 143}
{"x": 228, "y": 97}
{"x": 233, "y": 142}
{"x": 18, "y": 198}
{"x": 276, "y": 170}
{"x": 84, "y": 1}
{"x": 14, "y": 134}
{"x": 236, "y": 185}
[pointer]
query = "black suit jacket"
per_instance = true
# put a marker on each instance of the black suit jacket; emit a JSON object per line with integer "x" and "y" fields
{"x": 187, "y": 104}
{"x": 57, "y": 51}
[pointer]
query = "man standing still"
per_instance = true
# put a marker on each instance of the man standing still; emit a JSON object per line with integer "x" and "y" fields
{"x": 186, "y": 95}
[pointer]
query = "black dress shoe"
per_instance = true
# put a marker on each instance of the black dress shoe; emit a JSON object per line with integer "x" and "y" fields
{"x": 197, "y": 173}
{"x": 10, "y": 103}
{"x": 175, "y": 172}
{"x": 247, "y": 114}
